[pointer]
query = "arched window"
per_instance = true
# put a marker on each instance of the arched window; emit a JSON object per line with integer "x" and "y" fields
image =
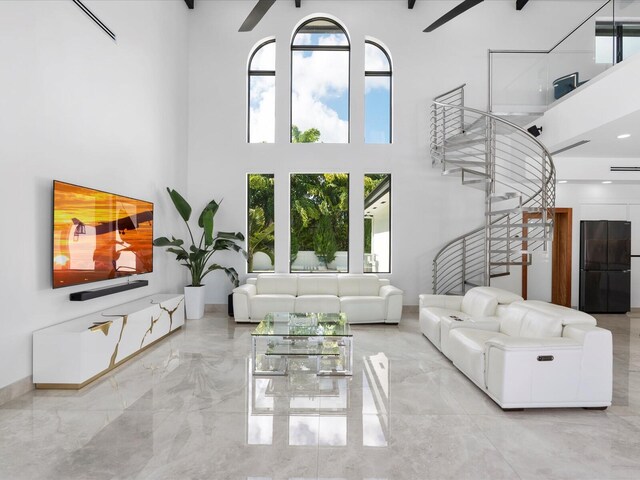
{"x": 262, "y": 93}
{"x": 377, "y": 97}
{"x": 320, "y": 83}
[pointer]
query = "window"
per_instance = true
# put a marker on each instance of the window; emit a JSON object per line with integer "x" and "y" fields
{"x": 616, "y": 42}
{"x": 377, "y": 94}
{"x": 319, "y": 222}
{"x": 377, "y": 223}
{"x": 260, "y": 228}
{"x": 320, "y": 83}
{"x": 262, "y": 93}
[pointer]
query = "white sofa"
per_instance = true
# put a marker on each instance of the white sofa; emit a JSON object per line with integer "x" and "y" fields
{"x": 364, "y": 298}
{"x": 533, "y": 354}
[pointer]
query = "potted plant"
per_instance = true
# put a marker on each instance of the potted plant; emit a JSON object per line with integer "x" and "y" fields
{"x": 196, "y": 255}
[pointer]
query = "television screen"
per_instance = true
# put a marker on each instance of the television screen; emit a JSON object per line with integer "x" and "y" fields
{"x": 99, "y": 235}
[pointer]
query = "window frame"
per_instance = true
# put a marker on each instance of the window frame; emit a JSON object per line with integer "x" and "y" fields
{"x": 378, "y": 73}
{"x": 257, "y": 73}
{"x": 248, "y": 207}
{"x": 304, "y": 272}
{"x": 320, "y": 48}
{"x": 389, "y": 189}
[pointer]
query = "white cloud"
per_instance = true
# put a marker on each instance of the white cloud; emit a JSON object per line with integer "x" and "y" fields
{"x": 263, "y": 104}
{"x": 311, "y": 113}
{"x": 318, "y": 79}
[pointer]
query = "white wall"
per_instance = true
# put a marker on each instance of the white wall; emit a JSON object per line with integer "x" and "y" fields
{"x": 78, "y": 107}
{"x": 427, "y": 210}
{"x": 381, "y": 236}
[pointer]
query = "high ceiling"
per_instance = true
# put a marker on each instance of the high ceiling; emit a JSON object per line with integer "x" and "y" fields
{"x": 261, "y": 8}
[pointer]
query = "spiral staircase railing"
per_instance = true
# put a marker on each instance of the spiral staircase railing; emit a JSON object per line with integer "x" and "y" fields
{"x": 516, "y": 173}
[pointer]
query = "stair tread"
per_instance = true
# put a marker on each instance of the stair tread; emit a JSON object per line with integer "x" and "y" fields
{"x": 496, "y": 275}
{"x": 504, "y": 196}
{"x": 516, "y": 239}
{"x": 521, "y": 225}
{"x": 507, "y": 253}
{"x": 461, "y": 141}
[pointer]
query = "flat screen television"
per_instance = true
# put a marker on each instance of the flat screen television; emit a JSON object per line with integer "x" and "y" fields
{"x": 99, "y": 235}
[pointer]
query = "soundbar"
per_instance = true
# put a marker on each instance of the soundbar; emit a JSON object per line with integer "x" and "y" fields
{"x": 101, "y": 292}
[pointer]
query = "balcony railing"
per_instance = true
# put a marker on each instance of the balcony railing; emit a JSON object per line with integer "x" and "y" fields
{"x": 529, "y": 81}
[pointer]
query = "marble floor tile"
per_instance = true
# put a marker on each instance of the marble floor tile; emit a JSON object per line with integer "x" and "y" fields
{"x": 189, "y": 408}
{"x": 560, "y": 445}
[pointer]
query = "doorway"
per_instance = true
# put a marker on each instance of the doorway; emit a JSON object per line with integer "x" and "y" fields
{"x": 560, "y": 257}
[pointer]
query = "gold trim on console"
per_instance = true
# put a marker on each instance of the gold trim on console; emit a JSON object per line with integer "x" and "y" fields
{"x": 78, "y": 386}
{"x": 102, "y": 327}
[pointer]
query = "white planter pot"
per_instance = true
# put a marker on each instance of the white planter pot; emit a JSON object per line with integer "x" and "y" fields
{"x": 194, "y": 302}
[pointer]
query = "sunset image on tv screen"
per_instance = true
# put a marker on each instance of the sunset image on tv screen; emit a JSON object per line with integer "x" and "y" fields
{"x": 99, "y": 235}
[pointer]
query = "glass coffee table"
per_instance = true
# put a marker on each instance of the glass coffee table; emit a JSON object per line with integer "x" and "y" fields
{"x": 319, "y": 343}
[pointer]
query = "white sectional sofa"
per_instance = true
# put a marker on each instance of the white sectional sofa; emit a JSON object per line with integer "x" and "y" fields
{"x": 364, "y": 298}
{"x": 532, "y": 354}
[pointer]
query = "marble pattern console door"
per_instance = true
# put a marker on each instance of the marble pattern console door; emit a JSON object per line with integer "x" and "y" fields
{"x": 74, "y": 353}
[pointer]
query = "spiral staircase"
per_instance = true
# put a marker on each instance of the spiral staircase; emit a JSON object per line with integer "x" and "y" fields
{"x": 517, "y": 175}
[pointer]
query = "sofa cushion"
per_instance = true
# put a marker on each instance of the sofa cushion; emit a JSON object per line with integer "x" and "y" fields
{"x": 540, "y": 325}
{"x": 363, "y": 309}
{"x": 511, "y": 319}
{"x": 266, "y": 303}
{"x": 277, "y": 284}
{"x": 325, "y": 284}
{"x": 318, "y": 304}
{"x": 466, "y": 348}
{"x": 357, "y": 285}
{"x": 568, "y": 315}
{"x": 479, "y": 304}
{"x": 504, "y": 297}
{"x": 522, "y": 321}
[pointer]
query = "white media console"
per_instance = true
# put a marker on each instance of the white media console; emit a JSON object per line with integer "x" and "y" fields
{"x": 72, "y": 354}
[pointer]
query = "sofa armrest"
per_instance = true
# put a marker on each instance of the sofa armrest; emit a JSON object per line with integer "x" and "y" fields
{"x": 585, "y": 333}
{"x": 447, "y": 324}
{"x": 387, "y": 290}
{"x": 452, "y": 302}
{"x": 246, "y": 289}
{"x": 491, "y": 324}
{"x": 242, "y": 302}
{"x": 393, "y": 297}
{"x": 597, "y": 358}
{"x": 533, "y": 344}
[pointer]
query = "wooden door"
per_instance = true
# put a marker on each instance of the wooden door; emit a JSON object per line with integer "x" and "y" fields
{"x": 560, "y": 257}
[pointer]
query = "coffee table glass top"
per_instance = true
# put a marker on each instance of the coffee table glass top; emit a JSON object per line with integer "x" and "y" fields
{"x": 303, "y": 325}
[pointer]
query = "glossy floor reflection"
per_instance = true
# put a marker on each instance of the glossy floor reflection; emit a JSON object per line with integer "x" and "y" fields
{"x": 190, "y": 409}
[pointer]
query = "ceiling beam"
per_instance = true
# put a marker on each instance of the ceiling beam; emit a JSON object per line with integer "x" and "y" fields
{"x": 453, "y": 13}
{"x": 520, "y": 4}
{"x": 255, "y": 15}
{"x": 411, "y": 4}
{"x": 190, "y": 3}
{"x": 298, "y": 2}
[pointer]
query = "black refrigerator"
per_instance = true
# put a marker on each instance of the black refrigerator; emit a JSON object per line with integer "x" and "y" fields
{"x": 605, "y": 266}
